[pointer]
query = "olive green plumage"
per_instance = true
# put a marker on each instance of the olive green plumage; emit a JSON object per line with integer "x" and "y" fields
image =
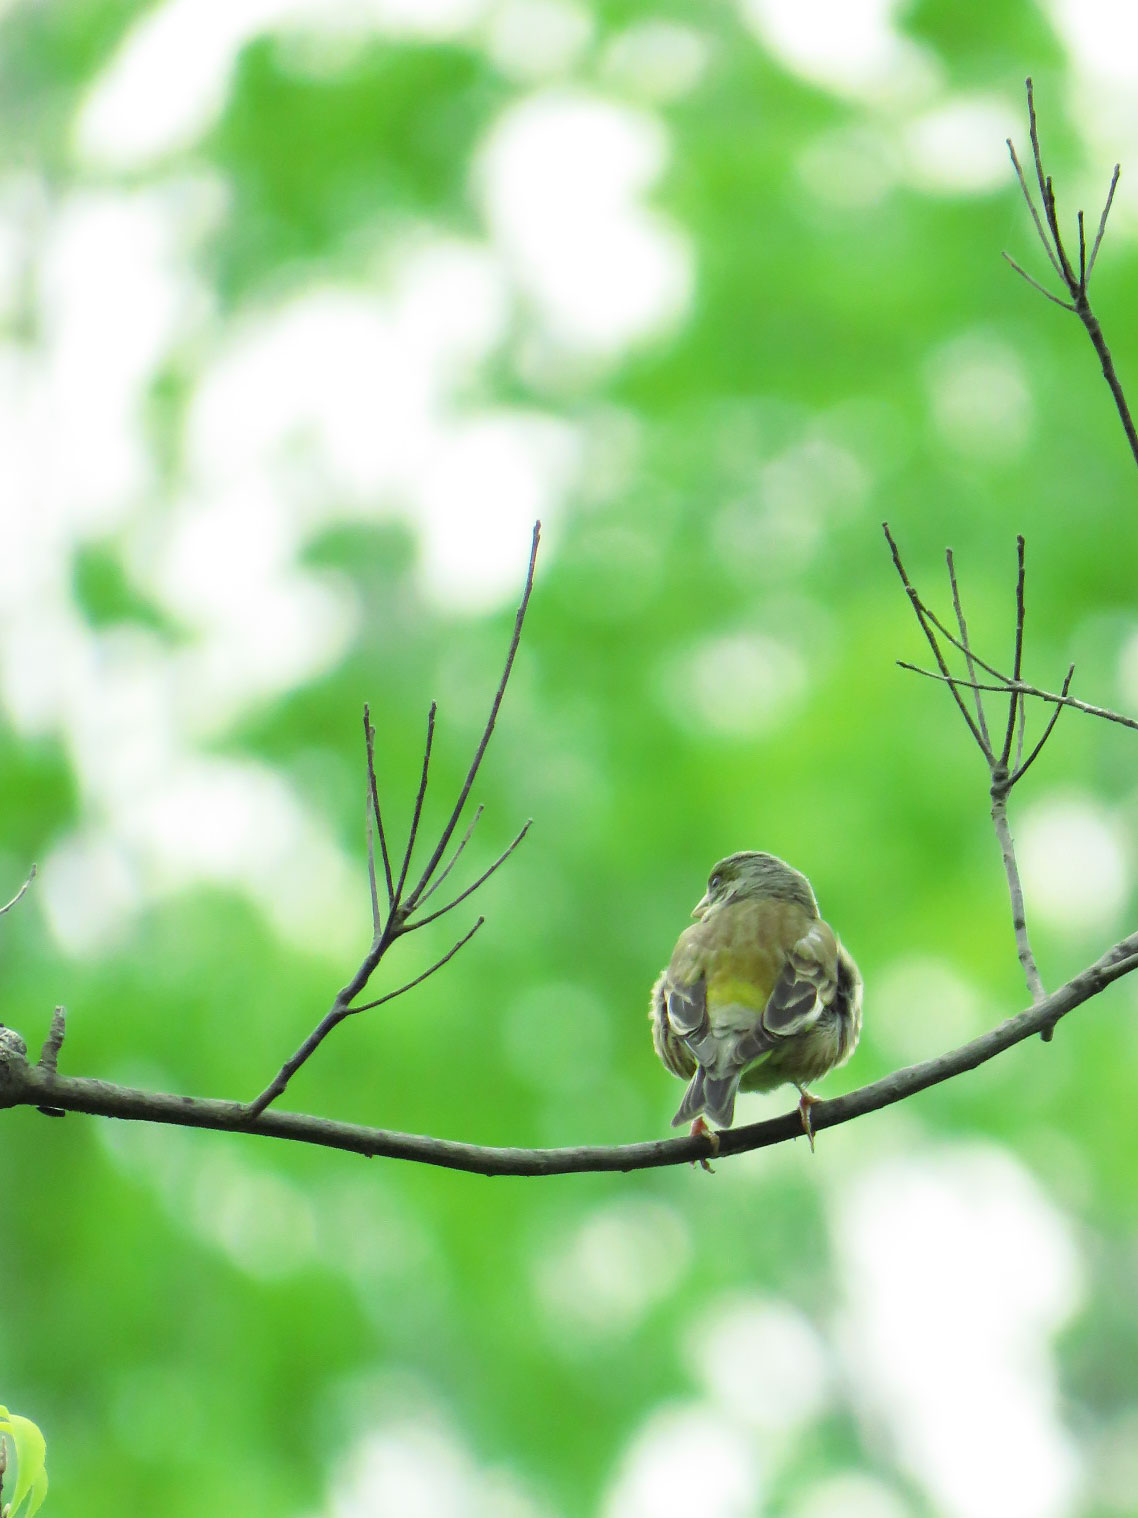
{"x": 758, "y": 992}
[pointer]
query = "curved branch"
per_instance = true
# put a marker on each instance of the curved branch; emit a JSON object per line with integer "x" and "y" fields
{"x": 24, "y": 1085}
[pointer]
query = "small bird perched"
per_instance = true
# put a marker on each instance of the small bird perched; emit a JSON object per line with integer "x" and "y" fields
{"x": 758, "y": 992}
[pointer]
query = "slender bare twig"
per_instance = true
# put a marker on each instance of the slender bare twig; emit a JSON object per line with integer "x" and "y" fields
{"x": 1022, "y": 766}
{"x": 454, "y": 858}
{"x": 8, "y": 905}
{"x": 1049, "y": 696}
{"x": 1015, "y": 889}
{"x": 1102, "y": 220}
{"x": 373, "y": 788}
{"x": 373, "y": 888}
{"x": 22, "y": 1084}
{"x": 926, "y": 627}
{"x": 475, "y": 763}
{"x": 421, "y": 922}
{"x": 965, "y": 646}
{"x": 1031, "y": 205}
{"x": 417, "y": 813}
{"x": 1035, "y": 285}
{"x": 1017, "y": 661}
{"x": 419, "y": 979}
{"x": 1076, "y": 283}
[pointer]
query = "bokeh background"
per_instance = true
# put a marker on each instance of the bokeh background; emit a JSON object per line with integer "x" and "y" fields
{"x": 308, "y": 308}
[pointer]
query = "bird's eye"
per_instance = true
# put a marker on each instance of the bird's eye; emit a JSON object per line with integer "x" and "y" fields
{"x": 715, "y": 882}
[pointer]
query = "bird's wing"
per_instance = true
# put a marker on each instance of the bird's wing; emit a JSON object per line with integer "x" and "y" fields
{"x": 670, "y": 1047}
{"x": 806, "y": 984}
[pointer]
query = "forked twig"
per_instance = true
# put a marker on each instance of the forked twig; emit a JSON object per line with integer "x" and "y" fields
{"x": 1003, "y": 774}
{"x": 1076, "y": 282}
{"x": 400, "y": 917}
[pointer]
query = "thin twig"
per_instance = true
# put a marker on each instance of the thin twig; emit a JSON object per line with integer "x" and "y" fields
{"x": 1022, "y": 769}
{"x": 8, "y": 905}
{"x": 369, "y": 833}
{"x": 1017, "y": 661}
{"x": 1051, "y": 697}
{"x": 472, "y": 772}
{"x": 1034, "y": 283}
{"x": 419, "y": 979}
{"x": 1034, "y": 213}
{"x": 22, "y": 1084}
{"x": 966, "y": 646}
{"x": 420, "y": 795}
{"x": 1102, "y": 220}
{"x": 922, "y": 618}
{"x": 1076, "y": 284}
{"x": 1001, "y": 784}
{"x": 369, "y": 740}
{"x": 454, "y": 858}
{"x": 421, "y": 922}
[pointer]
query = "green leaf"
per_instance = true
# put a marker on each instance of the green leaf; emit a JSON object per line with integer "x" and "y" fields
{"x": 31, "y": 1459}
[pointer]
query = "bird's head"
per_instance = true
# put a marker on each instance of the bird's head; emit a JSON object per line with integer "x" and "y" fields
{"x": 745, "y": 875}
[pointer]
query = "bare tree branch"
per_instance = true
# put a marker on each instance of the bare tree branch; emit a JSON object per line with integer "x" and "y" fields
{"x": 1076, "y": 283}
{"x": 1001, "y": 777}
{"x": 400, "y": 908}
{"x": 22, "y": 1084}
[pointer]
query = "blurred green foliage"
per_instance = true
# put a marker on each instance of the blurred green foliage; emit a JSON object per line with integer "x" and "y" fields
{"x": 201, "y": 1324}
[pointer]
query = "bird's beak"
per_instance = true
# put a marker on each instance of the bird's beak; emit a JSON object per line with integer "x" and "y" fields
{"x": 701, "y": 906}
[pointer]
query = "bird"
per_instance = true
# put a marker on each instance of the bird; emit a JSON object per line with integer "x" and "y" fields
{"x": 759, "y": 992}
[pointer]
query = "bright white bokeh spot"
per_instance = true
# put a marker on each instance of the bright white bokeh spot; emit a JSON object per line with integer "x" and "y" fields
{"x": 852, "y": 47}
{"x": 960, "y": 147}
{"x": 354, "y": 395}
{"x": 615, "y": 1266}
{"x": 655, "y": 61}
{"x": 1103, "y": 35}
{"x": 417, "y": 1467}
{"x": 980, "y": 398}
{"x": 90, "y": 890}
{"x": 732, "y": 1338}
{"x": 562, "y": 176}
{"x": 922, "y": 1005}
{"x": 531, "y": 40}
{"x": 959, "y": 1272}
{"x": 1074, "y": 862}
{"x": 735, "y": 685}
{"x": 686, "y": 1460}
{"x": 170, "y": 79}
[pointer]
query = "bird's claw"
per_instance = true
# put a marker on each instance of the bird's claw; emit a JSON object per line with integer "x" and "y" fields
{"x": 805, "y": 1103}
{"x": 699, "y": 1129}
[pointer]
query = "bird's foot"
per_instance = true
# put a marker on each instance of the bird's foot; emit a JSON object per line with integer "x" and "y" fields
{"x": 806, "y": 1101}
{"x": 699, "y": 1129}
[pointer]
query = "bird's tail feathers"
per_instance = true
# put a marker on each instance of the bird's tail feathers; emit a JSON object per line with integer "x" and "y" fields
{"x": 714, "y": 1095}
